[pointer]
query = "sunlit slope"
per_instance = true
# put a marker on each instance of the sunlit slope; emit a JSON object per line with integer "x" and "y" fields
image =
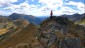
{"x": 25, "y": 35}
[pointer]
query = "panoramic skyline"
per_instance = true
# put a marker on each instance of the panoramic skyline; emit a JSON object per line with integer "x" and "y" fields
{"x": 41, "y": 7}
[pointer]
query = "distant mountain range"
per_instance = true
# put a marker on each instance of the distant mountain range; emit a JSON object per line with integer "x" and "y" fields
{"x": 15, "y": 16}
{"x": 74, "y": 17}
{"x": 3, "y": 19}
{"x": 29, "y": 18}
{"x": 37, "y": 20}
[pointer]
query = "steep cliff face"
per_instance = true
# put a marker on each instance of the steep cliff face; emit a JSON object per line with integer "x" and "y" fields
{"x": 61, "y": 33}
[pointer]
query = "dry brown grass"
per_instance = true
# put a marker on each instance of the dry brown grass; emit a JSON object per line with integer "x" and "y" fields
{"x": 25, "y": 35}
{"x": 60, "y": 35}
{"x": 3, "y": 31}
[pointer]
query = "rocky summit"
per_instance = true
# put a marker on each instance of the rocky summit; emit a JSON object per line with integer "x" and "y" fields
{"x": 60, "y": 32}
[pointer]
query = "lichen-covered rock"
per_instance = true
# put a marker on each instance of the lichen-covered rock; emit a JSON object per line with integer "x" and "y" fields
{"x": 70, "y": 43}
{"x": 56, "y": 32}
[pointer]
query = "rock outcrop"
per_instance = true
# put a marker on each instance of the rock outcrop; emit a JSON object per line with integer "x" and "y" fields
{"x": 56, "y": 32}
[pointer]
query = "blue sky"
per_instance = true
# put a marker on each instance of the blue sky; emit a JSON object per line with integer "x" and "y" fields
{"x": 41, "y": 7}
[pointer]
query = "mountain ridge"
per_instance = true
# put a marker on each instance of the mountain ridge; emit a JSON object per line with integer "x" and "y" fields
{"x": 29, "y": 18}
{"x": 58, "y": 32}
{"x": 65, "y": 35}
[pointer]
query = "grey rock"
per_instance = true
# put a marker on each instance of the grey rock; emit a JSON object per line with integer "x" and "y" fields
{"x": 70, "y": 43}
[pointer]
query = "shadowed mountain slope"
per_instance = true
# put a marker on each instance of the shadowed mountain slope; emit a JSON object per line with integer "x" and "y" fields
{"x": 74, "y": 17}
{"x": 29, "y": 18}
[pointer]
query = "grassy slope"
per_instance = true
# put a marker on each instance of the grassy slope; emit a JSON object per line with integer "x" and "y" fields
{"x": 5, "y": 29}
{"x": 81, "y": 21}
{"x": 25, "y": 35}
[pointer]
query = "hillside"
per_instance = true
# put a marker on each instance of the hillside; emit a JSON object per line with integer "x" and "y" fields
{"x": 58, "y": 32}
{"x": 25, "y": 35}
{"x": 29, "y": 18}
{"x": 74, "y": 17}
{"x": 61, "y": 33}
{"x": 3, "y": 19}
{"x": 81, "y": 21}
{"x": 5, "y": 24}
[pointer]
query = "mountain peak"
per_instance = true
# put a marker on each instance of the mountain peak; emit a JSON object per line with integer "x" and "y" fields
{"x": 61, "y": 20}
{"x": 29, "y": 18}
{"x": 60, "y": 30}
{"x": 14, "y": 13}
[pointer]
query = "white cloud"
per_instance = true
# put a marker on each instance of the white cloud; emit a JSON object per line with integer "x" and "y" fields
{"x": 44, "y": 9}
{"x": 13, "y": 1}
{"x": 23, "y": 8}
{"x": 80, "y": 6}
{"x": 20, "y": 6}
{"x": 50, "y": 1}
{"x": 4, "y": 13}
{"x": 1, "y": 12}
{"x": 51, "y": 4}
{"x": 7, "y": 2}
